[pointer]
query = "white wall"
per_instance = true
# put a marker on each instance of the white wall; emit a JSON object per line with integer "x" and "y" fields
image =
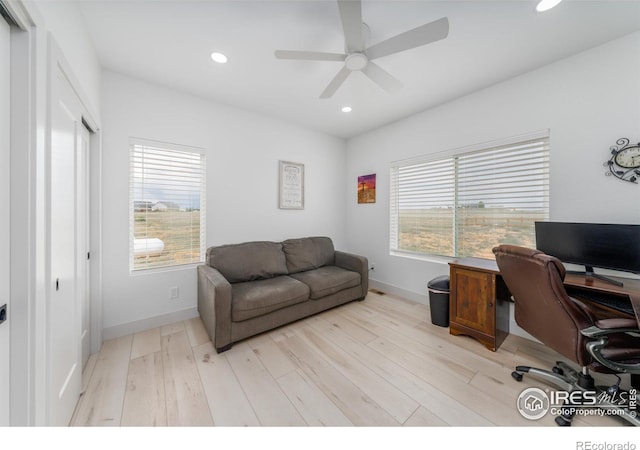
{"x": 587, "y": 102}
{"x": 65, "y": 21}
{"x": 243, "y": 150}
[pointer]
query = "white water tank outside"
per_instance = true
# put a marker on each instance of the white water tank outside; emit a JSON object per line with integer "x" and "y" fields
{"x": 147, "y": 246}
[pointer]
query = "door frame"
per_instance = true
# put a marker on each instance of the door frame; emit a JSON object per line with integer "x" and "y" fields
{"x": 23, "y": 126}
{"x": 33, "y": 51}
{"x": 5, "y": 226}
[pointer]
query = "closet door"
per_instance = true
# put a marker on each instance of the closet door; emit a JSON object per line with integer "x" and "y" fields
{"x": 83, "y": 241}
{"x": 64, "y": 308}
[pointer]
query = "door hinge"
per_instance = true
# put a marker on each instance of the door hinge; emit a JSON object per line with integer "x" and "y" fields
{"x": 88, "y": 255}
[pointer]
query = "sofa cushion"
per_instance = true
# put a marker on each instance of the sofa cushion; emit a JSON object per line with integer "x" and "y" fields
{"x": 248, "y": 261}
{"x": 256, "y": 298}
{"x": 327, "y": 280}
{"x": 308, "y": 253}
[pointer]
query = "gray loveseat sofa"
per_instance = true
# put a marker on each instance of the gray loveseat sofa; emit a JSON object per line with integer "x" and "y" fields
{"x": 246, "y": 289}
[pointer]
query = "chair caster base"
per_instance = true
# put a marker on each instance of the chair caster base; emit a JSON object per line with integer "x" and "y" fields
{"x": 516, "y": 376}
{"x": 562, "y": 422}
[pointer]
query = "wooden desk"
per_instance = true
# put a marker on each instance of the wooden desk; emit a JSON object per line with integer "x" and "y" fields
{"x": 479, "y": 299}
{"x": 575, "y": 284}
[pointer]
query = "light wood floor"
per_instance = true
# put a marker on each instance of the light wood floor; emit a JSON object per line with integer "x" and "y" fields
{"x": 378, "y": 362}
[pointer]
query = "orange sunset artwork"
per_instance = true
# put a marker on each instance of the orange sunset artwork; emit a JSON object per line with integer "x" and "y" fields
{"x": 367, "y": 188}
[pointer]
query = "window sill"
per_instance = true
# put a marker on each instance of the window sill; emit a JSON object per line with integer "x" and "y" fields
{"x": 422, "y": 257}
{"x": 155, "y": 270}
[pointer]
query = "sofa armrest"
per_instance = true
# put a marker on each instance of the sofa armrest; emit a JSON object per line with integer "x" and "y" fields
{"x": 356, "y": 263}
{"x": 214, "y": 305}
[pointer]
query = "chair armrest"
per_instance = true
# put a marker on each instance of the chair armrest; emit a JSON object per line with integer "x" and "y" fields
{"x": 618, "y": 322}
{"x": 355, "y": 263}
{"x": 599, "y": 336}
{"x": 214, "y": 305}
{"x": 605, "y": 327}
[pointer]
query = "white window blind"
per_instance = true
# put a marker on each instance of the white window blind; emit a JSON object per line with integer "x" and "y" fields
{"x": 464, "y": 204}
{"x": 167, "y": 205}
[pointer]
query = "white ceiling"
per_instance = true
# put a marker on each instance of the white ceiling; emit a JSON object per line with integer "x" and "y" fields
{"x": 169, "y": 42}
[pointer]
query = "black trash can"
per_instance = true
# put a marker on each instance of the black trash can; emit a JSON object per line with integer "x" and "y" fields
{"x": 439, "y": 300}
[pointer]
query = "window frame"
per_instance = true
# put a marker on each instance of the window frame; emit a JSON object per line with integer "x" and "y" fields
{"x": 134, "y": 143}
{"x": 452, "y": 157}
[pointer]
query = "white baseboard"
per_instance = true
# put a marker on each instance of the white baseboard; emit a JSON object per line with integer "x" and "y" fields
{"x": 146, "y": 324}
{"x": 424, "y": 299}
{"x": 190, "y": 313}
{"x": 400, "y": 292}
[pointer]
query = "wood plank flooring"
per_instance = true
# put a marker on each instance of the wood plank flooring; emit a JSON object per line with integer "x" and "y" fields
{"x": 379, "y": 362}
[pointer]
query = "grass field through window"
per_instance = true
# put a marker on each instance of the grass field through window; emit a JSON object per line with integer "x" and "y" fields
{"x": 178, "y": 230}
{"x": 431, "y": 231}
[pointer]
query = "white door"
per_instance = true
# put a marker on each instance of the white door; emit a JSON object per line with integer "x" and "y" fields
{"x": 4, "y": 220}
{"x": 83, "y": 242}
{"x": 64, "y": 309}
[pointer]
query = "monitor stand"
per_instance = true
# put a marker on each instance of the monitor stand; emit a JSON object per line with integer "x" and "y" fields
{"x": 590, "y": 273}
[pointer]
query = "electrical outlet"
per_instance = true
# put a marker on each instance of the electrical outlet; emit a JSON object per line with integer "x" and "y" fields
{"x": 372, "y": 266}
{"x": 174, "y": 293}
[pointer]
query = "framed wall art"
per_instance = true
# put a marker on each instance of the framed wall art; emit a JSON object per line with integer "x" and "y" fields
{"x": 291, "y": 185}
{"x": 367, "y": 188}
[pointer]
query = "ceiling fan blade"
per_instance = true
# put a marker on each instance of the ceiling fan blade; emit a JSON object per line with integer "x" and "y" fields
{"x": 422, "y": 35}
{"x": 381, "y": 77}
{"x": 309, "y": 56}
{"x": 351, "y": 17}
{"x": 335, "y": 83}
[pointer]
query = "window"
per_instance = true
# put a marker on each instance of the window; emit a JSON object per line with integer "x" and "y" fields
{"x": 167, "y": 205}
{"x": 465, "y": 203}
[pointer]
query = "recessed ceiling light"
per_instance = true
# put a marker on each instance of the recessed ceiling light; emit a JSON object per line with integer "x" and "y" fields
{"x": 219, "y": 57}
{"x": 346, "y": 109}
{"x": 545, "y": 5}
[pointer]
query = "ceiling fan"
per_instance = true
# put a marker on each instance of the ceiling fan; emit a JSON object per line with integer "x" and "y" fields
{"x": 359, "y": 58}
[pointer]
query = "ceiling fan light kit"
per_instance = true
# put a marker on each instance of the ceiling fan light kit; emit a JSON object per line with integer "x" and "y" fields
{"x": 219, "y": 57}
{"x": 545, "y": 5}
{"x": 359, "y": 58}
{"x": 356, "y": 61}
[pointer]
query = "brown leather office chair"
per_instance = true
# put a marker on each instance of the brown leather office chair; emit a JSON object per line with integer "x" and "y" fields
{"x": 544, "y": 309}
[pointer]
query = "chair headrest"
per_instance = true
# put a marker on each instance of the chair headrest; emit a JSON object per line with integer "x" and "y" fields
{"x": 529, "y": 253}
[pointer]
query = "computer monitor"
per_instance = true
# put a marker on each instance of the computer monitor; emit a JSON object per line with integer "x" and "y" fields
{"x": 606, "y": 246}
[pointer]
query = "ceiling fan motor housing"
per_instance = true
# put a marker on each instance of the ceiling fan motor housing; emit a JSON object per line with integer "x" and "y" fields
{"x": 356, "y": 61}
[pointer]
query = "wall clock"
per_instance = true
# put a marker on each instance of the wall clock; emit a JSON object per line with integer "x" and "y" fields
{"x": 624, "y": 163}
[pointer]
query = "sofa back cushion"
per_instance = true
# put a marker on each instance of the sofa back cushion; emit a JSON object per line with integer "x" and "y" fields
{"x": 248, "y": 261}
{"x": 308, "y": 253}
